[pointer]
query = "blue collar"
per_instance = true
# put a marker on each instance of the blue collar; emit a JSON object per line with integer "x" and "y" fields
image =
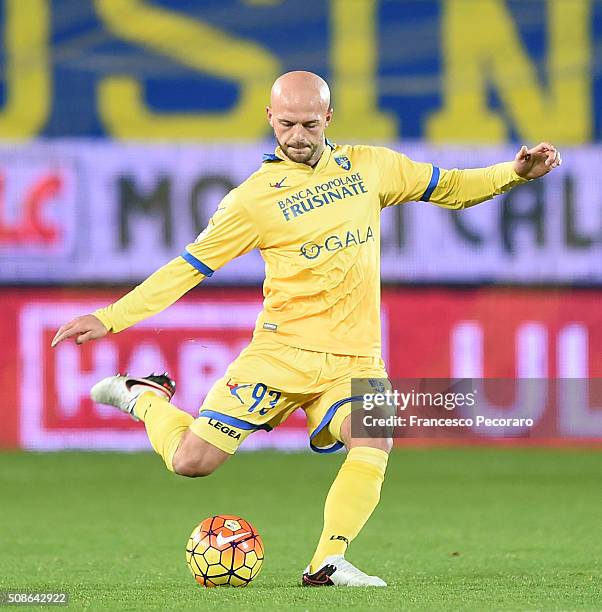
{"x": 271, "y": 157}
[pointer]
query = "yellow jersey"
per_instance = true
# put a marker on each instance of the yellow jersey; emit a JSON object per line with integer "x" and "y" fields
{"x": 318, "y": 231}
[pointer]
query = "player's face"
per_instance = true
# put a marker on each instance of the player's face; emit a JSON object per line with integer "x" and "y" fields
{"x": 300, "y": 132}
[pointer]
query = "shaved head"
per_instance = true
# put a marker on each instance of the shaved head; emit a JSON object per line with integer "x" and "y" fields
{"x": 301, "y": 88}
{"x": 299, "y": 112}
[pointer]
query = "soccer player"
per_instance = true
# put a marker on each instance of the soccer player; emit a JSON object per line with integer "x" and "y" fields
{"x": 312, "y": 209}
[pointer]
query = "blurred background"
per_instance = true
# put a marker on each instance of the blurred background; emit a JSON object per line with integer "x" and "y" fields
{"x": 123, "y": 123}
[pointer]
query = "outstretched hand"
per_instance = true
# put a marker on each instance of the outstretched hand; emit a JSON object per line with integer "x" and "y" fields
{"x": 84, "y": 328}
{"x": 536, "y": 162}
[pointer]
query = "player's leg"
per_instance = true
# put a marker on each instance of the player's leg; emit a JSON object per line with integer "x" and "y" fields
{"x": 363, "y": 472}
{"x": 147, "y": 399}
{"x": 241, "y": 403}
{"x": 352, "y": 497}
{"x": 196, "y": 457}
{"x": 231, "y": 412}
{"x": 235, "y": 407}
{"x": 168, "y": 430}
{"x": 350, "y": 502}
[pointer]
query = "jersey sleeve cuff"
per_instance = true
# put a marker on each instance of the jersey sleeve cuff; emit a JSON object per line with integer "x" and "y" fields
{"x": 426, "y": 196}
{"x": 102, "y": 316}
{"x": 518, "y": 178}
{"x": 197, "y": 264}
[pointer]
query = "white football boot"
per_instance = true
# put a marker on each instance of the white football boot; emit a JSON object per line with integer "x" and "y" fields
{"x": 337, "y": 571}
{"x": 123, "y": 391}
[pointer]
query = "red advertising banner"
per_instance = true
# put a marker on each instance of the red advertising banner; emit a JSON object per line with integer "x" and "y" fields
{"x": 485, "y": 333}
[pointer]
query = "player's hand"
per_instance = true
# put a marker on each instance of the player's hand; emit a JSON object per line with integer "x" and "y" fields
{"x": 83, "y": 329}
{"x": 536, "y": 162}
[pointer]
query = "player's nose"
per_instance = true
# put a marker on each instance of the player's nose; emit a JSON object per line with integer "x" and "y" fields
{"x": 298, "y": 143}
{"x": 298, "y": 137}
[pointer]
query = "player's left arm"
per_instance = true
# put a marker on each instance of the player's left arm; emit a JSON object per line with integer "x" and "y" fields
{"x": 457, "y": 189}
{"x": 405, "y": 180}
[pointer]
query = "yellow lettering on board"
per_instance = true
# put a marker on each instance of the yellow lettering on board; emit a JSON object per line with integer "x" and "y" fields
{"x": 195, "y": 45}
{"x": 27, "y": 74}
{"x": 354, "y": 62}
{"x": 482, "y": 48}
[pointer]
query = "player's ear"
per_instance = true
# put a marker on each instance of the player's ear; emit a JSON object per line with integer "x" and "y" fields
{"x": 328, "y": 116}
{"x": 269, "y": 114}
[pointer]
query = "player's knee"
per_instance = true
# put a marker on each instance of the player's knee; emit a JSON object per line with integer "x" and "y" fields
{"x": 192, "y": 459}
{"x": 384, "y": 444}
{"x": 191, "y": 466}
{"x": 196, "y": 457}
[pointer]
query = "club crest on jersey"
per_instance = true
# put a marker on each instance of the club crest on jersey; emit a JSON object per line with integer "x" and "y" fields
{"x": 344, "y": 162}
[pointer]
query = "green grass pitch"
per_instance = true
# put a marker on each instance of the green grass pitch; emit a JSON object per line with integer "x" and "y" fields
{"x": 457, "y": 529}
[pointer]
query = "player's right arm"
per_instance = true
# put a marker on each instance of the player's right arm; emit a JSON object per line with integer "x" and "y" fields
{"x": 231, "y": 232}
{"x": 157, "y": 292}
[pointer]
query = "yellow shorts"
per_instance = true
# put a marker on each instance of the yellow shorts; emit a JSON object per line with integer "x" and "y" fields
{"x": 269, "y": 380}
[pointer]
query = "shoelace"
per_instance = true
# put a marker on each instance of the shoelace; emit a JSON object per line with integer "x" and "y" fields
{"x": 344, "y": 565}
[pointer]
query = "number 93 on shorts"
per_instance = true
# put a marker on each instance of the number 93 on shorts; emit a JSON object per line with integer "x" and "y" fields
{"x": 291, "y": 378}
{"x": 233, "y": 410}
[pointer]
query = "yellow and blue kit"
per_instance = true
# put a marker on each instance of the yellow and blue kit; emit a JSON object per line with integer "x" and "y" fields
{"x": 318, "y": 231}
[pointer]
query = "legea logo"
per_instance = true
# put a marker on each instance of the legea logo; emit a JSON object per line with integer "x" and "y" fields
{"x": 336, "y": 242}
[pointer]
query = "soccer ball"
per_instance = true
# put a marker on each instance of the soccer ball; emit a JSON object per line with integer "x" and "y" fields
{"x": 224, "y": 550}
